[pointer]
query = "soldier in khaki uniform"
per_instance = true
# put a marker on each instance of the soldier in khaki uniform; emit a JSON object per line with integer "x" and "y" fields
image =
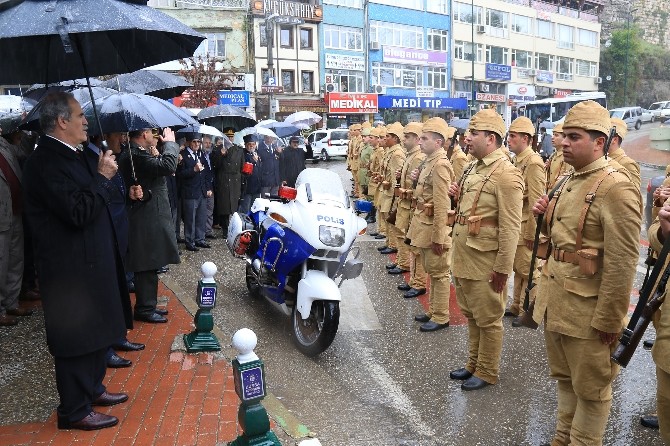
{"x": 429, "y": 231}
{"x": 556, "y": 165}
{"x": 617, "y": 154}
{"x": 354, "y": 150}
{"x": 531, "y": 166}
{"x": 584, "y": 290}
{"x": 409, "y": 259}
{"x": 364, "y": 164}
{"x": 485, "y": 236}
{"x": 349, "y": 147}
{"x": 457, "y": 157}
{"x": 374, "y": 187}
{"x": 394, "y": 157}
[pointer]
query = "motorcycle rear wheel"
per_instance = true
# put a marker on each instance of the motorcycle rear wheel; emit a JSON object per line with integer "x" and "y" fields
{"x": 315, "y": 334}
{"x": 252, "y": 283}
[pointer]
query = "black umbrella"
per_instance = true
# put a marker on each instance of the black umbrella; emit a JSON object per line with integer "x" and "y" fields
{"x": 9, "y": 122}
{"x": 152, "y": 82}
{"x": 225, "y": 116}
{"x": 38, "y": 91}
{"x": 460, "y": 124}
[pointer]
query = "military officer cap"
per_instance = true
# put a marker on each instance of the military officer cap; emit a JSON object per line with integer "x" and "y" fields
{"x": 522, "y": 125}
{"x": 395, "y": 129}
{"x": 588, "y": 115}
{"x": 489, "y": 120}
{"x": 190, "y": 136}
{"x": 437, "y": 125}
{"x": 366, "y": 125}
{"x": 249, "y": 138}
{"x": 621, "y": 127}
{"x": 366, "y": 131}
{"x": 355, "y": 127}
{"x": 414, "y": 127}
{"x": 558, "y": 128}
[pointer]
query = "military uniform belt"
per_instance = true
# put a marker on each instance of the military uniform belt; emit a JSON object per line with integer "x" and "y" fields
{"x": 561, "y": 255}
{"x": 484, "y": 222}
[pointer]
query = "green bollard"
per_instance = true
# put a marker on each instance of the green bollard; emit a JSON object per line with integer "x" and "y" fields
{"x": 202, "y": 339}
{"x": 250, "y": 388}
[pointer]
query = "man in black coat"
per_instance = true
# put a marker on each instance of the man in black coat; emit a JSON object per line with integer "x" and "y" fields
{"x": 291, "y": 162}
{"x": 78, "y": 262}
{"x": 269, "y": 168}
{"x": 196, "y": 187}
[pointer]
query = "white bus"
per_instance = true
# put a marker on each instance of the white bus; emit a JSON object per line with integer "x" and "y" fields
{"x": 555, "y": 109}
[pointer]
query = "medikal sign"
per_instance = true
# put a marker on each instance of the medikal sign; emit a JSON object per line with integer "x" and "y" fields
{"x": 498, "y": 72}
{"x": 352, "y": 103}
{"x": 239, "y": 98}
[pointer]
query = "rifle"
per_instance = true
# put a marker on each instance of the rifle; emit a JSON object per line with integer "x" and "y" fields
{"x": 610, "y": 137}
{"x": 452, "y": 144}
{"x": 644, "y": 310}
{"x": 505, "y": 139}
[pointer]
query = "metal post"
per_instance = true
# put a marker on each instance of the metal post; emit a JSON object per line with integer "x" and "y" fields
{"x": 474, "y": 56}
{"x": 269, "y": 30}
{"x": 625, "y": 76}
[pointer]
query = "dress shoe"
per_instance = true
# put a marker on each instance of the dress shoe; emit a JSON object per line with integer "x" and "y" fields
{"x": 181, "y": 240}
{"x": 510, "y": 313}
{"x": 203, "y": 245}
{"x": 31, "y": 295}
{"x": 110, "y": 399}
{"x": 413, "y": 292}
{"x": 117, "y": 362}
{"x": 397, "y": 270}
{"x": 460, "y": 374}
{"x": 191, "y": 248}
{"x": 647, "y": 343}
{"x": 163, "y": 269}
{"x": 127, "y": 346}
{"x": 373, "y": 234}
{"x": 152, "y": 318}
{"x": 19, "y": 312}
{"x": 390, "y": 266}
{"x": 91, "y": 422}
{"x": 516, "y": 322}
{"x": 432, "y": 326}
{"x": 421, "y": 318}
{"x": 474, "y": 383}
{"x": 650, "y": 421}
{"x": 210, "y": 236}
{"x": 388, "y": 251}
{"x": 404, "y": 287}
{"x": 6, "y": 321}
{"x": 380, "y": 236}
{"x": 216, "y": 226}
{"x": 381, "y": 248}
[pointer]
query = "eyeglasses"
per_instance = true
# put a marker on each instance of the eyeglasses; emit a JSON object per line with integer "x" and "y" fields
{"x": 155, "y": 132}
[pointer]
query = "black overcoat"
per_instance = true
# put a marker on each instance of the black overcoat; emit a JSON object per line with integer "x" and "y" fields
{"x": 228, "y": 170}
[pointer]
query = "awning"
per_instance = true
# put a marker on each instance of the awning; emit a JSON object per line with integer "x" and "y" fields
{"x": 294, "y": 105}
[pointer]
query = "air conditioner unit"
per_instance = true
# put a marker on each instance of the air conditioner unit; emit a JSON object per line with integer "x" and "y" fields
{"x": 484, "y": 88}
{"x": 598, "y": 80}
{"x": 481, "y": 29}
{"x": 379, "y": 89}
{"x": 331, "y": 87}
{"x": 374, "y": 45}
{"x": 531, "y": 72}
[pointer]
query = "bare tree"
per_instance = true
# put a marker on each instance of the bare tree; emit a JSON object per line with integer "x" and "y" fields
{"x": 208, "y": 75}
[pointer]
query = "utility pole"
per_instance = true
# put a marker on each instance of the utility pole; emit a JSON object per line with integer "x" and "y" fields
{"x": 269, "y": 31}
{"x": 474, "y": 55}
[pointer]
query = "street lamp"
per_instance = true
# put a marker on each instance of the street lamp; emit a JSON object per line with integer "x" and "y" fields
{"x": 269, "y": 36}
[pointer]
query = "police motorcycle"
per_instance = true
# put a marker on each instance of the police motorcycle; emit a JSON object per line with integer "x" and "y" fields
{"x": 296, "y": 245}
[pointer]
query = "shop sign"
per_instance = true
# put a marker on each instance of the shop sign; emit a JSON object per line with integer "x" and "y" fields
{"x": 498, "y": 72}
{"x": 521, "y": 92}
{"x": 561, "y": 93}
{"x": 413, "y": 56}
{"x": 546, "y": 77}
{"x": 421, "y": 103}
{"x": 237, "y": 98}
{"x": 490, "y": 97}
{"x": 342, "y": 62}
{"x": 352, "y": 103}
{"x": 305, "y": 11}
{"x": 425, "y": 91}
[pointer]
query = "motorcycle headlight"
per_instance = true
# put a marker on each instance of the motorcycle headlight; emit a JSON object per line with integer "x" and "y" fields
{"x": 331, "y": 236}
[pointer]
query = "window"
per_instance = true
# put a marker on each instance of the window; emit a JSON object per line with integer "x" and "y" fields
{"x": 564, "y": 68}
{"x": 349, "y": 3}
{"x": 214, "y": 45}
{"x": 587, "y": 38}
{"x": 544, "y": 62}
{"x": 438, "y": 6}
{"x": 586, "y": 68}
{"x": 463, "y": 51}
{"x": 438, "y": 39}
{"x": 263, "y": 34}
{"x": 343, "y": 37}
{"x": 396, "y": 75}
{"x": 566, "y": 38}
{"x": 437, "y": 78}
{"x": 497, "y": 54}
{"x": 411, "y": 4}
{"x": 496, "y": 19}
{"x": 396, "y": 35}
{"x": 286, "y": 36}
{"x": 463, "y": 13}
{"x": 522, "y": 24}
{"x": 265, "y": 76}
{"x": 307, "y": 81}
{"x": 544, "y": 29}
{"x": 306, "y": 39}
{"x": 522, "y": 59}
{"x": 348, "y": 81}
{"x": 288, "y": 80}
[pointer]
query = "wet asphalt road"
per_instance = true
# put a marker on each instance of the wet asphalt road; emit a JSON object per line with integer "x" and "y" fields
{"x": 382, "y": 382}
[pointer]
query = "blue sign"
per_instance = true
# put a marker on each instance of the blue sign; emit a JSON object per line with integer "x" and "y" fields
{"x": 208, "y": 296}
{"x": 239, "y": 98}
{"x": 252, "y": 384}
{"x": 498, "y": 72}
{"x": 544, "y": 76}
{"x": 421, "y": 103}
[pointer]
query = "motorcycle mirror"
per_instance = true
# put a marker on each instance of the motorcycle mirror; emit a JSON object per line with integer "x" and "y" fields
{"x": 287, "y": 193}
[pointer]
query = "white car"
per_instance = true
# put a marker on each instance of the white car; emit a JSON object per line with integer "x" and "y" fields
{"x": 656, "y": 108}
{"x": 329, "y": 142}
{"x": 647, "y": 116}
{"x": 632, "y": 116}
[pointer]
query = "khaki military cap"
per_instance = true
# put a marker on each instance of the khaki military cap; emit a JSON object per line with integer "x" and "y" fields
{"x": 437, "y": 125}
{"x": 414, "y": 127}
{"x": 588, "y": 115}
{"x": 522, "y": 125}
{"x": 366, "y": 125}
{"x": 451, "y": 131}
{"x": 382, "y": 131}
{"x": 489, "y": 120}
{"x": 558, "y": 128}
{"x": 355, "y": 127}
{"x": 621, "y": 127}
{"x": 375, "y": 131}
{"x": 395, "y": 129}
{"x": 366, "y": 131}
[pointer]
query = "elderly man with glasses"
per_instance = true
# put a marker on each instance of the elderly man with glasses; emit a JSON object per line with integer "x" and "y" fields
{"x": 291, "y": 162}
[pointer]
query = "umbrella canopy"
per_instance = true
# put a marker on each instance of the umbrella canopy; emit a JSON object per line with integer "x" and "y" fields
{"x": 151, "y": 82}
{"x": 224, "y": 116}
{"x": 460, "y": 124}
{"x": 125, "y": 112}
{"x": 303, "y": 119}
{"x": 50, "y": 41}
{"x": 38, "y": 91}
{"x": 282, "y": 129}
{"x": 258, "y": 131}
{"x": 205, "y": 130}
{"x": 9, "y": 122}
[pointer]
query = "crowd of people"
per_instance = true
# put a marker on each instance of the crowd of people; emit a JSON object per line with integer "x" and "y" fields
{"x": 461, "y": 207}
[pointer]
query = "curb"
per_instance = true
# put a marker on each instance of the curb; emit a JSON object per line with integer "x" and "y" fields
{"x": 653, "y": 166}
{"x": 279, "y": 413}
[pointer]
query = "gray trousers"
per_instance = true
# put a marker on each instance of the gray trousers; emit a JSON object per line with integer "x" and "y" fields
{"x": 195, "y": 220}
{"x": 210, "y": 215}
{"x": 11, "y": 265}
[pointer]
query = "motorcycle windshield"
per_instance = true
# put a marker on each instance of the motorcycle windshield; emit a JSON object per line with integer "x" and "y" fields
{"x": 324, "y": 185}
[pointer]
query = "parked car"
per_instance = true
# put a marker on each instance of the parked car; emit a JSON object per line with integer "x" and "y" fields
{"x": 632, "y": 116}
{"x": 329, "y": 142}
{"x": 654, "y": 183}
{"x": 302, "y": 143}
{"x": 647, "y": 116}
{"x": 656, "y": 108}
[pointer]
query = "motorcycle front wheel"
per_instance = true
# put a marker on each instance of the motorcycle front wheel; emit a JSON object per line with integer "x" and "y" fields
{"x": 315, "y": 334}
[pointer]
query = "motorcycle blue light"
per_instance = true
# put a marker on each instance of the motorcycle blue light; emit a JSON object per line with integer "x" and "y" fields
{"x": 331, "y": 236}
